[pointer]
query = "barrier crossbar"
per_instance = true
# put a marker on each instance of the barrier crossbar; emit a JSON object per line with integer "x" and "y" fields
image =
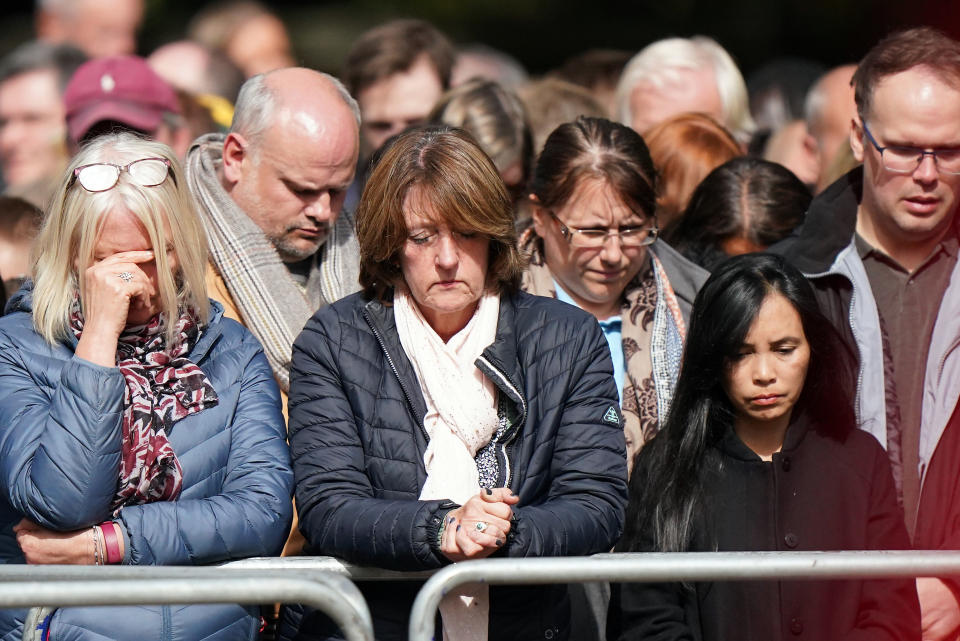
{"x": 662, "y": 567}
{"x": 62, "y": 586}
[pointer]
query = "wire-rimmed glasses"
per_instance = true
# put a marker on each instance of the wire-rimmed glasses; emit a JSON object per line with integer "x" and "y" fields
{"x": 631, "y": 236}
{"x": 102, "y": 176}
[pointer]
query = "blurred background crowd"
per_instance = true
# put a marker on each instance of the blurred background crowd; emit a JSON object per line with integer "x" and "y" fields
{"x": 560, "y": 59}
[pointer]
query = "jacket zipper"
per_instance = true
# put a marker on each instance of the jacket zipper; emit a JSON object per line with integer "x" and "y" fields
{"x": 493, "y": 372}
{"x": 403, "y": 387}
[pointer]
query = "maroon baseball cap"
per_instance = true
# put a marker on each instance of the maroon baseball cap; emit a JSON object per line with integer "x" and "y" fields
{"x": 120, "y": 88}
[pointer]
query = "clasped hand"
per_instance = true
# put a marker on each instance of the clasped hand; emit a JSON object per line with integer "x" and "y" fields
{"x": 463, "y": 540}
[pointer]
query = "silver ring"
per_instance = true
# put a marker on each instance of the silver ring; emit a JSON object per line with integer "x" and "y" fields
{"x": 125, "y": 276}
{"x": 481, "y": 526}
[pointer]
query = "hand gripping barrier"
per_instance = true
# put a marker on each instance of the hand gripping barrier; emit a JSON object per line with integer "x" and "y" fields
{"x": 61, "y": 586}
{"x": 687, "y": 566}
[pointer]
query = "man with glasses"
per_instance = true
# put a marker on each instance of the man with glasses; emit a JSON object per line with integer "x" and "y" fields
{"x": 880, "y": 246}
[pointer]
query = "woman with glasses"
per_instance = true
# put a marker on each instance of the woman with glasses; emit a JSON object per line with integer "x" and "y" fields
{"x": 442, "y": 415}
{"x": 137, "y": 425}
{"x": 594, "y": 244}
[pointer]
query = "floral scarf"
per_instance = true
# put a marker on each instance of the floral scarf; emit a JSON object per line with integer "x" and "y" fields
{"x": 647, "y": 390}
{"x": 162, "y": 387}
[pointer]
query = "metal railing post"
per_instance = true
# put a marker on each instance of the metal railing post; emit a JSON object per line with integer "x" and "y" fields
{"x": 65, "y": 586}
{"x": 687, "y": 566}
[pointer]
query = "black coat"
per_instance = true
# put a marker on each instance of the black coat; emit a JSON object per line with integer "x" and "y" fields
{"x": 357, "y": 439}
{"x": 818, "y": 493}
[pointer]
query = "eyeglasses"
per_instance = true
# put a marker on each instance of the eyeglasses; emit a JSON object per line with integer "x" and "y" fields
{"x": 631, "y": 236}
{"x": 101, "y": 176}
{"x": 905, "y": 160}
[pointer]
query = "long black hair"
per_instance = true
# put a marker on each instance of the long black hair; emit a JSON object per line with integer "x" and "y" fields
{"x": 665, "y": 492}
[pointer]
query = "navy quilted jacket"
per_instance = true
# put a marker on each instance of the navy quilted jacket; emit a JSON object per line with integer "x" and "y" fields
{"x": 357, "y": 439}
{"x": 60, "y": 452}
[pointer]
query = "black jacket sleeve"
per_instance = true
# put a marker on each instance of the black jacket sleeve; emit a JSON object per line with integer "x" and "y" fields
{"x": 583, "y": 511}
{"x": 339, "y": 514}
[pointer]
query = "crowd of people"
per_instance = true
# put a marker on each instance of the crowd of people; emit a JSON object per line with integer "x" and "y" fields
{"x": 431, "y": 309}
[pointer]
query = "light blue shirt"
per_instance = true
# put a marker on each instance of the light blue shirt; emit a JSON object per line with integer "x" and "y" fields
{"x": 612, "y": 332}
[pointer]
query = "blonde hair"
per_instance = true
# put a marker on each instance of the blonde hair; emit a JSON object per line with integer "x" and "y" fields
{"x": 495, "y": 118}
{"x": 76, "y": 219}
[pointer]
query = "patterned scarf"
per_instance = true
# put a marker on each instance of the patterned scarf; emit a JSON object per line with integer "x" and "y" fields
{"x": 273, "y": 306}
{"x": 648, "y": 307}
{"x": 161, "y": 388}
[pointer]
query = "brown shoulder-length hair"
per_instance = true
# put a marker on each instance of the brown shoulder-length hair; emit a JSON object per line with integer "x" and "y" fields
{"x": 464, "y": 188}
{"x": 685, "y": 149}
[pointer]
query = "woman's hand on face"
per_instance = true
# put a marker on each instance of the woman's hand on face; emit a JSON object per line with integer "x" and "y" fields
{"x": 41, "y": 546}
{"x": 107, "y": 300}
{"x": 463, "y": 540}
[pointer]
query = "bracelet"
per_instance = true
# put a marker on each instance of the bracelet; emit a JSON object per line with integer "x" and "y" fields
{"x": 110, "y": 543}
{"x": 442, "y": 529}
{"x": 96, "y": 545}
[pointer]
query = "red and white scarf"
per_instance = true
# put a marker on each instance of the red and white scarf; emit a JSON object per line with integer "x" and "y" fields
{"x": 162, "y": 387}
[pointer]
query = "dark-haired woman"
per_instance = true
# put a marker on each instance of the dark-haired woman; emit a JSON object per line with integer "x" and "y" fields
{"x": 760, "y": 452}
{"x": 744, "y": 205}
{"x": 594, "y": 244}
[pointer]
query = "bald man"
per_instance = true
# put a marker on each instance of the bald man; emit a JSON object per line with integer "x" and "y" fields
{"x": 271, "y": 192}
{"x": 829, "y": 110}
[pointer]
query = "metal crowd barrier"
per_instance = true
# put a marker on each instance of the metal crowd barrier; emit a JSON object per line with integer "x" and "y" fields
{"x": 688, "y": 566}
{"x": 25, "y": 586}
{"x": 326, "y": 583}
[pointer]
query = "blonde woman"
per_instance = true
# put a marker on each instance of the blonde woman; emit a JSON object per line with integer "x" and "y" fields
{"x": 137, "y": 425}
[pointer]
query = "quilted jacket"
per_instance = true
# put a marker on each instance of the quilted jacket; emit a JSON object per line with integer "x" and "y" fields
{"x": 357, "y": 439}
{"x": 60, "y": 451}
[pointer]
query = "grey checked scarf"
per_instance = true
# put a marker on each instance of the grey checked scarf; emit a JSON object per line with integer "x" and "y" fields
{"x": 271, "y": 303}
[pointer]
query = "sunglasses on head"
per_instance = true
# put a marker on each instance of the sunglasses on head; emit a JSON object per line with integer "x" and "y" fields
{"x": 101, "y": 176}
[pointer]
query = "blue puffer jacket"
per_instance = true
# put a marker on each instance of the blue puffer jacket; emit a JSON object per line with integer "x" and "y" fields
{"x": 60, "y": 452}
{"x": 357, "y": 438}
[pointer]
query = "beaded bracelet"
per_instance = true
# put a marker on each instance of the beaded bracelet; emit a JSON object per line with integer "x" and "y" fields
{"x": 96, "y": 546}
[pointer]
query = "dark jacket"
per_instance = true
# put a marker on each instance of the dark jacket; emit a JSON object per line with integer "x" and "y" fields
{"x": 818, "y": 493}
{"x": 357, "y": 439}
{"x": 60, "y": 419}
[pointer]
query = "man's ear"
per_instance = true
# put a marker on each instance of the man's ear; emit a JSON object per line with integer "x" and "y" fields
{"x": 234, "y": 154}
{"x": 856, "y": 138}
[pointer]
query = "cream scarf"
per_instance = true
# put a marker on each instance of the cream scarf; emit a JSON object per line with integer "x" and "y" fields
{"x": 461, "y": 418}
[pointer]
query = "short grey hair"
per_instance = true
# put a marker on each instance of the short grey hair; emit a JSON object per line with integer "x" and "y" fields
{"x": 257, "y": 102}
{"x": 659, "y": 62}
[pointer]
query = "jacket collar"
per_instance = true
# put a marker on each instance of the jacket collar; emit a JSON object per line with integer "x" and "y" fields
{"x": 499, "y": 361}
{"x": 828, "y": 227}
{"x": 731, "y": 445}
